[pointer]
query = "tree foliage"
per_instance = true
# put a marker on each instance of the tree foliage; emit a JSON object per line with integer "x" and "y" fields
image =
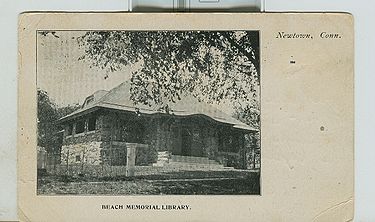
{"x": 251, "y": 116}
{"x": 48, "y": 129}
{"x": 211, "y": 65}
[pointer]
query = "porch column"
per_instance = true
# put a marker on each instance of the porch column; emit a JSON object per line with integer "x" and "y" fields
{"x": 243, "y": 147}
{"x": 130, "y": 159}
{"x": 158, "y": 134}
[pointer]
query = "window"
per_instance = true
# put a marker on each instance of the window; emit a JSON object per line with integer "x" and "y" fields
{"x": 69, "y": 130}
{"x": 91, "y": 124}
{"x": 78, "y": 158}
{"x": 80, "y": 127}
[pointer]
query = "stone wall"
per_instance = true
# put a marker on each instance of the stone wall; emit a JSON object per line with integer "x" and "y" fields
{"x": 82, "y": 148}
{"x": 81, "y": 153}
{"x": 161, "y": 133}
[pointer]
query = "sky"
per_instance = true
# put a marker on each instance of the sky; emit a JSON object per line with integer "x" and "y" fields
{"x": 67, "y": 80}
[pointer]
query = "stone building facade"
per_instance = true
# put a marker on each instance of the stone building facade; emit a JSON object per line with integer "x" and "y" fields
{"x": 98, "y": 133}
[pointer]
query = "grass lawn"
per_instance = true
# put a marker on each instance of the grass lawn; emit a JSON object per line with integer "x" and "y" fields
{"x": 171, "y": 183}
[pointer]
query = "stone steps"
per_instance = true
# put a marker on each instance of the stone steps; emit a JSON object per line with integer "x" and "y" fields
{"x": 163, "y": 159}
{"x": 179, "y": 162}
{"x": 185, "y": 165}
{"x": 191, "y": 159}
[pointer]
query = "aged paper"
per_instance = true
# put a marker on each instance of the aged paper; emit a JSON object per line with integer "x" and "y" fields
{"x": 186, "y": 117}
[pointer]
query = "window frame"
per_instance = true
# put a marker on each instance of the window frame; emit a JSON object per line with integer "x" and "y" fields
{"x": 69, "y": 128}
{"x": 88, "y": 123}
{"x": 77, "y": 124}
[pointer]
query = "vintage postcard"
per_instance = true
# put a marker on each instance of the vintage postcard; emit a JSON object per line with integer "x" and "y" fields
{"x": 186, "y": 117}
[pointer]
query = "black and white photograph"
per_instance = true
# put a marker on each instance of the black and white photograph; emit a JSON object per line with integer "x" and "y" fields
{"x": 123, "y": 112}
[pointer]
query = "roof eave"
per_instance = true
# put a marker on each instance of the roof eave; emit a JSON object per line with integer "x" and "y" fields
{"x": 126, "y": 109}
{"x": 78, "y": 114}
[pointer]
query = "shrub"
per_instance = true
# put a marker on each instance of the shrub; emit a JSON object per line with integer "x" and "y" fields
{"x": 145, "y": 156}
{"x": 230, "y": 160}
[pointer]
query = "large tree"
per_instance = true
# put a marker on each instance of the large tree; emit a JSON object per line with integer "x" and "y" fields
{"x": 251, "y": 116}
{"x": 212, "y": 65}
{"x": 49, "y": 131}
{"x": 47, "y": 116}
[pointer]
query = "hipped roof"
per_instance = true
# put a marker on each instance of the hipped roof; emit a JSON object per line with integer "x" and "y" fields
{"x": 119, "y": 99}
